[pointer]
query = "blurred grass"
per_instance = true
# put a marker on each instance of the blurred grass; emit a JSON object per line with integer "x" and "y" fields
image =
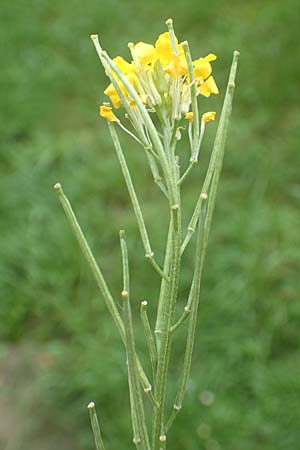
{"x": 247, "y": 351}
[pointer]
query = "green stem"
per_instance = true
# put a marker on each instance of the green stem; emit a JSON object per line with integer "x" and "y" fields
{"x": 149, "y": 336}
{"x": 203, "y": 233}
{"x": 134, "y": 200}
{"x": 165, "y": 347}
{"x": 193, "y": 89}
{"x": 102, "y": 286}
{"x": 186, "y": 312}
{"x": 95, "y": 427}
{"x": 186, "y": 173}
{"x": 163, "y": 287}
{"x": 173, "y": 39}
{"x": 138, "y": 422}
{"x": 193, "y": 222}
{"x": 194, "y": 303}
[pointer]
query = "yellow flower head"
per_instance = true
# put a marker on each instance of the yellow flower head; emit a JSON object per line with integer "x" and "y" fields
{"x": 189, "y": 116}
{"x": 208, "y": 87}
{"x": 160, "y": 75}
{"x": 208, "y": 116}
{"x": 106, "y": 112}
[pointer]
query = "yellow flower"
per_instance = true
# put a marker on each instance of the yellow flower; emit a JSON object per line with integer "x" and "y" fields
{"x": 106, "y": 112}
{"x": 145, "y": 53}
{"x": 164, "y": 48}
{"x": 208, "y": 116}
{"x": 123, "y": 65}
{"x": 208, "y": 87}
{"x": 177, "y": 67}
{"x": 189, "y": 116}
{"x": 202, "y": 66}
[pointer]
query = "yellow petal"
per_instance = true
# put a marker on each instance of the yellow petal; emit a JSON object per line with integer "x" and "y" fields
{"x": 208, "y": 116}
{"x": 164, "y": 48}
{"x": 116, "y": 101}
{"x": 106, "y": 112}
{"x": 123, "y": 65}
{"x": 111, "y": 92}
{"x": 177, "y": 67}
{"x": 189, "y": 116}
{"x": 202, "y": 68}
{"x": 146, "y": 53}
{"x": 210, "y": 57}
{"x": 208, "y": 87}
{"x": 133, "y": 79}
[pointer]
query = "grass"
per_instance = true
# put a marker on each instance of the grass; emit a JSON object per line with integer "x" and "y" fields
{"x": 247, "y": 351}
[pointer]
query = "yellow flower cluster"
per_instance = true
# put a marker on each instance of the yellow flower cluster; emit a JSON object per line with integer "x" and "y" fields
{"x": 159, "y": 74}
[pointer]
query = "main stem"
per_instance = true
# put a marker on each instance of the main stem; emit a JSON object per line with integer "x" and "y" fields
{"x": 166, "y": 324}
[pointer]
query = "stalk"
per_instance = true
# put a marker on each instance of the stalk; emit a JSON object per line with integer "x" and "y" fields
{"x": 165, "y": 347}
{"x": 95, "y": 427}
{"x": 203, "y": 233}
{"x": 138, "y": 417}
{"x": 193, "y": 90}
{"x": 149, "y": 336}
{"x": 135, "y": 203}
{"x": 102, "y": 286}
{"x": 163, "y": 287}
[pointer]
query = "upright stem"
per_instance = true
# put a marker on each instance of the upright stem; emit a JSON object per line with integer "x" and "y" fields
{"x": 163, "y": 286}
{"x": 95, "y": 427}
{"x": 138, "y": 416}
{"x": 165, "y": 346}
{"x": 193, "y": 305}
{"x": 203, "y": 233}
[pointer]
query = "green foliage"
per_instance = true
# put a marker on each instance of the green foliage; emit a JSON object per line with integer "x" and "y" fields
{"x": 247, "y": 344}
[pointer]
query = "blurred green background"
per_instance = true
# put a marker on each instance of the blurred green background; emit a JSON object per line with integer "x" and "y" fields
{"x": 59, "y": 349}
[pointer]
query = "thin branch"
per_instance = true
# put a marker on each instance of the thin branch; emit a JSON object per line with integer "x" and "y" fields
{"x": 95, "y": 427}
{"x": 138, "y": 422}
{"x": 186, "y": 173}
{"x": 134, "y": 200}
{"x": 149, "y": 336}
{"x": 193, "y": 222}
{"x": 193, "y": 90}
{"x": 163, "y": 287}
{"x": 102, "y": 286}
